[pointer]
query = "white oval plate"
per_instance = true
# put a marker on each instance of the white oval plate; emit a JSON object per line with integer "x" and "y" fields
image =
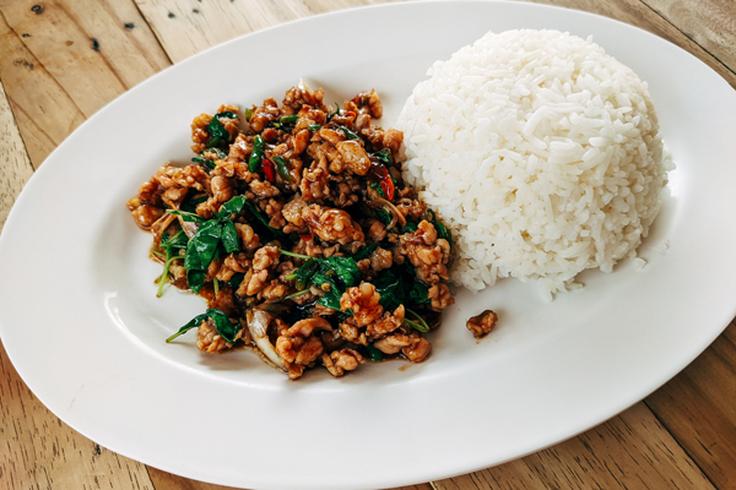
{"x": 82, "y": 326}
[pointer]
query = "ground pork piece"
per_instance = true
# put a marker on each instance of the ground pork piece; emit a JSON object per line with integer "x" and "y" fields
{"x": 221, "y": 189}
{"x": 144, "y": 215}
{"x": 199, "y": 132}
{"x": 413, "y": 346}
{"x": 262, "y": 188}
{"x": 307, "y": 326}
{"x": 233, "y": 264}
{"x": 221, "y": 300}
{"x": 387, "y": 323}
{"x": 371, "y": 101}
{"x": 427, "y": 254}
{"x": 440, "y": 297}
{"x": 274, "y": 291}
{"x": 481, "y": 325}
{"x": 392, "y": 344}
{"x": 272, "y": 207}
{"x": 178, "y": 274}
{"x": 265, "y": 259}
{"x": 240, "y": 148}
{"x": 345, "y": 192}
{"x": 339, "y": 361}
{"x": 208, "y": 340}
{"x": 330, "y": 135}
{"x": 376, "y": 230}
{"x": 411, "y": 208}
{"x": 248, "y": 237}
{"x": 418, "y": 350}
{"x": 292, "y": 213}
{"x": 296, "y": 97}
{"x": 313, "y": 185}
{"x": 172, "y": 183}
{"x": 300, "y": 141}
{"x": 354, "y": 156}
{"x": 308, "y": 246}
{"x": 363, "y": 301}
{"x": 263, "y": 115}
{"x": 381, "y": 259}
{"x": 352, "y": 333}
{"x": 332, "y": 225}
{"x": 392, "y": 139}
{"x": 298, "y": 347}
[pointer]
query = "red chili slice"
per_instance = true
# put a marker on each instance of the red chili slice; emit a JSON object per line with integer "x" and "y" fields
{"x": 387, "y": 185}
{"x": 268, "y": 170}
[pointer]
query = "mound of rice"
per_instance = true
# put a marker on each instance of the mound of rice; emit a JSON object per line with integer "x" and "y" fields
{"x": 542, "y": 153}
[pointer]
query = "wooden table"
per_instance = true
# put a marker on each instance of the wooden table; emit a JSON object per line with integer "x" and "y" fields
{"x": 61, "y": 60}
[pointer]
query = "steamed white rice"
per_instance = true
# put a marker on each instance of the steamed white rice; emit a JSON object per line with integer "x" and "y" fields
{"x": 541, "y": 152}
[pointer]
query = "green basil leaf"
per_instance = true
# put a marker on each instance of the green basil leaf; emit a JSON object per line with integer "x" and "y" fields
{"x": 195, "y": 279}
{"x": 207, "y": 164}
{"x": 203, "y": 245}
{"x": 418, "y": 293}
{"x": 193, "y": 323}
{"x": 365, "y": 252}
{"x": 218, "y": 135}
{"x": 256, "y": 156}
{"x": 282, "y": 168}
{"x": 384, "y": 156}
{"x": 442, "y": 231}
{"x": 186, "y": 215}
{"x": 349, "y": 134}
{"x": 344, "y": 268}
{"x": 233, "y": 206}
{"x": 177, "y": 241}
{"x": 223, "y": 325}
{"x": 374, "y": 355}
{"x": 390, "y": 286}
{"x": 230, "y": 238}
{"x": 331, "y": 299}
{"x": 303, "y": 275}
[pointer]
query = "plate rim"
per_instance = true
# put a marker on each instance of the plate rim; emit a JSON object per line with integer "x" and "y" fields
{"x": 463, "y": 469}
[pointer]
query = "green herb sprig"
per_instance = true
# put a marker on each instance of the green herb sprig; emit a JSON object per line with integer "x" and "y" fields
{"x": 225, "y": 328}
{"x": 218, "y": 135}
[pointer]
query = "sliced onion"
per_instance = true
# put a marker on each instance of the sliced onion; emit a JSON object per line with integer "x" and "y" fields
{"x": 390, "y": 207}
{"x": 188, "y": 227}
{"x": 257, "y": 321}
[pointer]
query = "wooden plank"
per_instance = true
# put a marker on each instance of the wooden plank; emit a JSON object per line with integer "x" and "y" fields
{"x": 632, "y": 450}
{"x": 15, "y": 167}
{"x": 167, "y": 481}
{"x": 710, "y": 23}
{"x": 44, "y": 40}
{"x": 699, "y": 408}
{"x": 38, "y": 451}
{"x": 185, "y": 27}
{"x": 637, "y": 13}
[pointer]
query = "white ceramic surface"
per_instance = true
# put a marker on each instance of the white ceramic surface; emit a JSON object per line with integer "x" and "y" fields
{"x": 80, "y": 322}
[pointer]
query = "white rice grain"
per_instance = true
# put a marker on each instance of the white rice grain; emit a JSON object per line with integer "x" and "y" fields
{"x": 541, "y": 152}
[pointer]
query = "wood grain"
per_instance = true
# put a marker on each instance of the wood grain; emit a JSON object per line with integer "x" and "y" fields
{"x": 631, "y": 450}
{"x": 37, "y": 451}
{"x": 15, "y": 167}
{"x": 637, "y": 13}
{"x": 66, "y": 59}
{"x": 711, "y": 24}
{"x": 56, "y": 76}
{"x": 699, "y": 408}
{"x": 185, "y": 27}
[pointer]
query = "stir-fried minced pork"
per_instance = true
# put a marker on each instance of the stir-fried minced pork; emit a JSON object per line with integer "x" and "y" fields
{"x": 294, "y": 223}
